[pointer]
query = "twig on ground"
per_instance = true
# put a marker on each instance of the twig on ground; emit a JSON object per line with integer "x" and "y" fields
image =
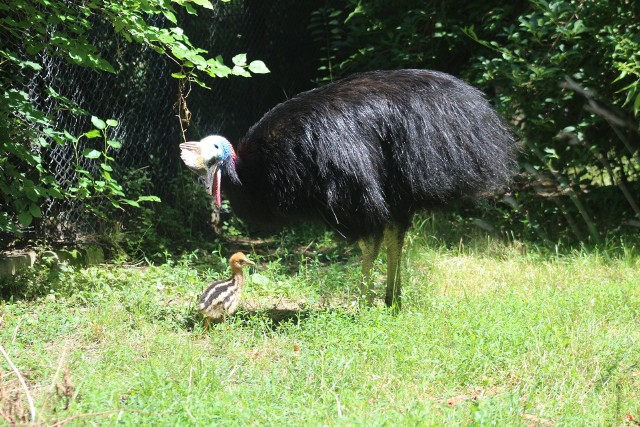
{"x": 32, "y": 408}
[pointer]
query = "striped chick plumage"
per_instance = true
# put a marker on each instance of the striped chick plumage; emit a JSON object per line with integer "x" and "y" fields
{"x": 221, "y": 298}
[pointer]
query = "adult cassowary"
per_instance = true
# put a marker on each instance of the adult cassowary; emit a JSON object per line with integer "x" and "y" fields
{"x": 362, "y": 155}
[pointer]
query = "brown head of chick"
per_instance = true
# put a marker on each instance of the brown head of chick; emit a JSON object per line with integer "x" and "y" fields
{"x": 221, "y": 297}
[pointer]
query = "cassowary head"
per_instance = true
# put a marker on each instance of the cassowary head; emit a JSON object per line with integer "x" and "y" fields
{"x": 239, "y": 260}
{"x": 206, "y": 158}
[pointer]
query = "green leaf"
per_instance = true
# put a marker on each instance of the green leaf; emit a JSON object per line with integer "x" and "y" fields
{"x": 69, "y": 137}
{"x": 149, "y": 199}
{"x": 240, "y": 59}
{"x": 205, "y": 3}
{"x": 358, "y": 10}
{"x": 32, "y": 65}
{"x": 166, "y": 38}
{"x": 90, "y": 153}
{"x": 636, "y": 104}
{"x": 239, "y": 71}
{"x": 551, "y": 152}
{"x": 179, "y": 52}
{"x": 170, "y": 16}
{"x": 114, "y": 144}
{"x": 98, "y": 123}
{"x": 112, "y": 122}
{"x": 25, "y": 218}
{"x": 622, "y": 75}
{"x": 55, "y": 193}
{"x": 259, "y": 279}
{"x": 31, "y": 193}
{"x": 131, "y": 202}
{"x": 190, "y": 9}
{"x": 258, "y": 67}
{"x": 35, "y": 211}
{"x": 94, "y": 133}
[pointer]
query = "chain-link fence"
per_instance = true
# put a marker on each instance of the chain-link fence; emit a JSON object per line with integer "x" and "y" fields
{"x": 142, "y": 96}
{"x": 137, "y": 96}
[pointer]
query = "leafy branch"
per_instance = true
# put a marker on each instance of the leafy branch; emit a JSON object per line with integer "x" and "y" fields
{"x": 31, "y": 30}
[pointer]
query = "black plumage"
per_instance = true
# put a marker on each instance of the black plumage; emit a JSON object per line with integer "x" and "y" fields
{"x": 362, "y": 155}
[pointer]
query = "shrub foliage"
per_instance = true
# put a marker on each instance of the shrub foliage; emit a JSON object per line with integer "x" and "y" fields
{"x": 565, "y": 72}
{"x": 34, "y": 30}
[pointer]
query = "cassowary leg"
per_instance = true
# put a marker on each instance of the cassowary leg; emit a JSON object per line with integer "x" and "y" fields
{"x": 394, "y": 240}
{"x": 370, "y": 247}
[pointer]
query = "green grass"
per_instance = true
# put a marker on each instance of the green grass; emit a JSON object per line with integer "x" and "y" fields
{"x": 490, "y": 334}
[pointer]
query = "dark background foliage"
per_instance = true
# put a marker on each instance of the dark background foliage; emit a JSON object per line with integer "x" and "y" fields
{"x": 565, "y": 73}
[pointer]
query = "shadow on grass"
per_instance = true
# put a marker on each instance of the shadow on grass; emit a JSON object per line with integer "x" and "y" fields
{"x": 288, "y": 246}
{"x": 272, "y": 317}
{"x": 276, "y": 316}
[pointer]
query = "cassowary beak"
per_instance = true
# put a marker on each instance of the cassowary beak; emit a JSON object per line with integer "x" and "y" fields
{"x": 212, "y": 182}
{"x": 209, "y": 179}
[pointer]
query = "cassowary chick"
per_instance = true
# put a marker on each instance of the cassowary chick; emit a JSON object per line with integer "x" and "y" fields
{"x": 221, "y": 298}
